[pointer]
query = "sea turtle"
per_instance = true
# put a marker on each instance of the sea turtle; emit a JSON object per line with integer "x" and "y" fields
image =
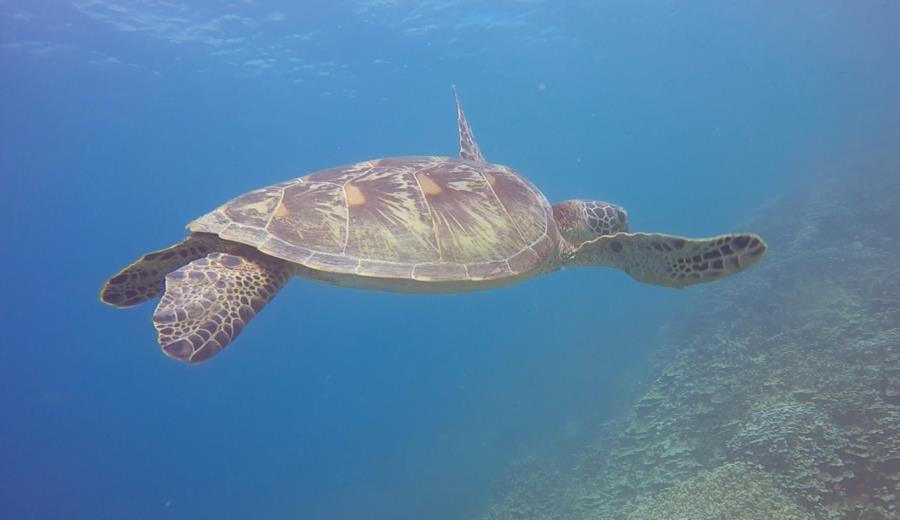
{"x": 408, "y": 224}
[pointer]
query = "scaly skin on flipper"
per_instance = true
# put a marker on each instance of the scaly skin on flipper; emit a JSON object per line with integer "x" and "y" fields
{"x": 208, "y": 302}
{"x": 143, "y": 279}
{"x": 669, "y": 260}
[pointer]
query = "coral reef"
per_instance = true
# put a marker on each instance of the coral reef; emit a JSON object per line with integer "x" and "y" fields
{"x": 797, "y": 443}
{"x": 734, "y": 491}
{"x": 534, "y": 492}
{"x": 778, "y": 393}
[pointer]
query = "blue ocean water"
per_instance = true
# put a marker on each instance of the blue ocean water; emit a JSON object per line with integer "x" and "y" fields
{"x": 122, "y": 120}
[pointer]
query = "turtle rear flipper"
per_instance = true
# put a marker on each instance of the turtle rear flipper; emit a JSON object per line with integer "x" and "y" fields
{"x": 143, "y": 279}
{"x": 468, "y": 148}
{"x": 209, "y": 301}
{"x": 670, "y": 260}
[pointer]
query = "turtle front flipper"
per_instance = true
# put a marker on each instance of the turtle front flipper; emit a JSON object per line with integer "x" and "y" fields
{"x": 143, "y": 279}
{"x": 669, "y": 260}
{"x": 209, "y": 301}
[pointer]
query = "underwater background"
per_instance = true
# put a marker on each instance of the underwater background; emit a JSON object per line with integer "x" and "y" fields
{"x": 578, "y": 395}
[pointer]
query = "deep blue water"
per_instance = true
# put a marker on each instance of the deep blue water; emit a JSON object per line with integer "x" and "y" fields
{"x": 123, "y": 120}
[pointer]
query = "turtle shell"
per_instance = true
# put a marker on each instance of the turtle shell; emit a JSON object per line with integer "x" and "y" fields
{"x": 410, "y": 218}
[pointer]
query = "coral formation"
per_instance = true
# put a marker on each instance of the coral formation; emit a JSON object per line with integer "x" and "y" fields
{"x": 797, "y": 443}
{"x": 734, "y": 491}
{"x": 779, "y": 391}
{"x": 534, "y": 492}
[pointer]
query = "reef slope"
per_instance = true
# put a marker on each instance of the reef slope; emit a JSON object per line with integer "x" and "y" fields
{"x": 779, "y": 397}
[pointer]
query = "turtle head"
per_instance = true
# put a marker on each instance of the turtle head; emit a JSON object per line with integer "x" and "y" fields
{"x": 583, "y": 220}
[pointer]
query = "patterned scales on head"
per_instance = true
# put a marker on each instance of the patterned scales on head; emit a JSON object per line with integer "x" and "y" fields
{"x": 390, "y": 223}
